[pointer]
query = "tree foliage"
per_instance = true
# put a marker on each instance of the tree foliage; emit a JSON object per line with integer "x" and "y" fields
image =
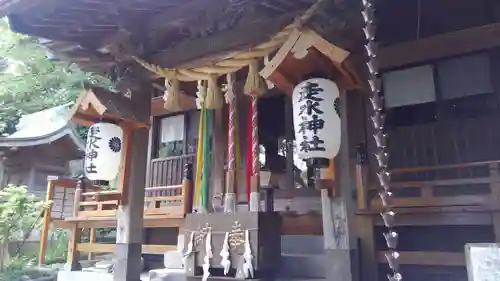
{"x": 30, "y": 80}
{"x": 20, "y": 211}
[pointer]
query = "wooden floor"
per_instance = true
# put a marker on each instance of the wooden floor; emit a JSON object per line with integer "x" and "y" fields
{"x": 110, "y": 248}
{"x": 156, "y": 221}
{"x": 291, "y": 224}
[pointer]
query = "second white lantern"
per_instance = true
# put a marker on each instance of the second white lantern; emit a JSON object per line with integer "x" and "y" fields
{"x": 103, "y": 152}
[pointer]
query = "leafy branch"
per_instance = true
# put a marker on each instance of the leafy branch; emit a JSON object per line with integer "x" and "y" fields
{"x": 31, "y": 81}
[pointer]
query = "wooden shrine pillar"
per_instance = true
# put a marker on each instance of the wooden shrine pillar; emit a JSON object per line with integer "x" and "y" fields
{"x": 341, "y": 245}
{"x": 290, "y": 173}
{"x": 129, "y": 228}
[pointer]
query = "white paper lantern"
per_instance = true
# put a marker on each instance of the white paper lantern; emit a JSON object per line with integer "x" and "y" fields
{"x": 316, "y": 118}
{"x": 103, "y": 153}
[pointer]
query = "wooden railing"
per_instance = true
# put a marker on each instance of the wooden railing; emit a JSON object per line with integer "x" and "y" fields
{"x": 176, "y": 201}
{"x": 172, "y": 201}
{"x": 60, "y": 192}
{"x": 100, "y": 208}
{"x": 170, "y": 195}
{"x": 465, "y": 184}
{"x": 96, "y": 204}
{"x": 169, "y": 171}
{"x": 430, "y": 197}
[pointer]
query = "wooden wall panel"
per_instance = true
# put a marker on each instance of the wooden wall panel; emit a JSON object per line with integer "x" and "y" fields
{"x": 444, "y": 143}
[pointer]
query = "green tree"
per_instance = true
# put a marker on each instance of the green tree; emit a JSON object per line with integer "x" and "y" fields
{"x": 20, "y": 211}
{"x": 31, "y": 81}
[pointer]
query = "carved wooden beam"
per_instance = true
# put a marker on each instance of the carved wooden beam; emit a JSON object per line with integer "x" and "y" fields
{"x": 158, "y": 108}
{"x": 240, "y": 37}
{"x": 306, "y": 52}
{"x": 96, "y": 103}
{"x": 443, "y": 45}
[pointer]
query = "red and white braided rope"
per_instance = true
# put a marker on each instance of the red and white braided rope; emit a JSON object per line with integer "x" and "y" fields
{"x": 231, "y": 153}
{"x": 255, "y": 138}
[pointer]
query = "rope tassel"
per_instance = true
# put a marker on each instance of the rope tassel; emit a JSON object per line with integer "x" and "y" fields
{"x": 201, "y": 94}
{"x": 214, "y": 94}
{"x": 172, "y": 95}
{"x": 255, "y": 84}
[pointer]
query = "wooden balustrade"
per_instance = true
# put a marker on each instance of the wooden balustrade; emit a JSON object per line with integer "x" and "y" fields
{"x": 168, "y": 171}
{"x": 173, "y": 201}
{"x": 466, "y": 184}
{"x": 168, "y": 198}
{"x": 170, "y": 204}
{"x": 428, "y": 197}
{"x": 426, "y": 258}
{"x": 61, "y": 194}
{"x": 164, "y": 206}
{"x": 169, "y": 192}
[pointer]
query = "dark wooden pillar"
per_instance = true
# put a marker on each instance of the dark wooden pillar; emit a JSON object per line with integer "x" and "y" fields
{"x": 151, "y": 147}
{"x": 187, "y": 188}
{"x": 128, "y": 265}
{"x": 290, "y": 178}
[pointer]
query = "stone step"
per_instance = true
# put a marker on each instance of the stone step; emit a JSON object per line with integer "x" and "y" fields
{"x": 94, "y": 269}
{"x": 302, "y": 266}
{"x": 299, "y": 279}
{"x": 302, "y": 244}
{"x": 166, "y": 275}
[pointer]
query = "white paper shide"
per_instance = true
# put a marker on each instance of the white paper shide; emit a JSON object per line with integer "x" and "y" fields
{"x": 189, "y": 250}
{"x": 316, "y": 118}
{"x": 103, "y": 152}
{"x": 248, "y": 257}
{"x": 225, "y": 253}
{"x": 208, "y": 256}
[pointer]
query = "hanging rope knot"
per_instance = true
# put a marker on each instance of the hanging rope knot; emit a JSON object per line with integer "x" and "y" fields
{"x": 214, "y": 94}
{"x": 201, "y": 94}
{"x": 255, "y": 84}
{"x": 229, "y": 87}
{"x": 172, "y": 96}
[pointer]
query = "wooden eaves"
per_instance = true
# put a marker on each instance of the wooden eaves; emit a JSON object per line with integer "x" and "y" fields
{"x": 95, "y": 104}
